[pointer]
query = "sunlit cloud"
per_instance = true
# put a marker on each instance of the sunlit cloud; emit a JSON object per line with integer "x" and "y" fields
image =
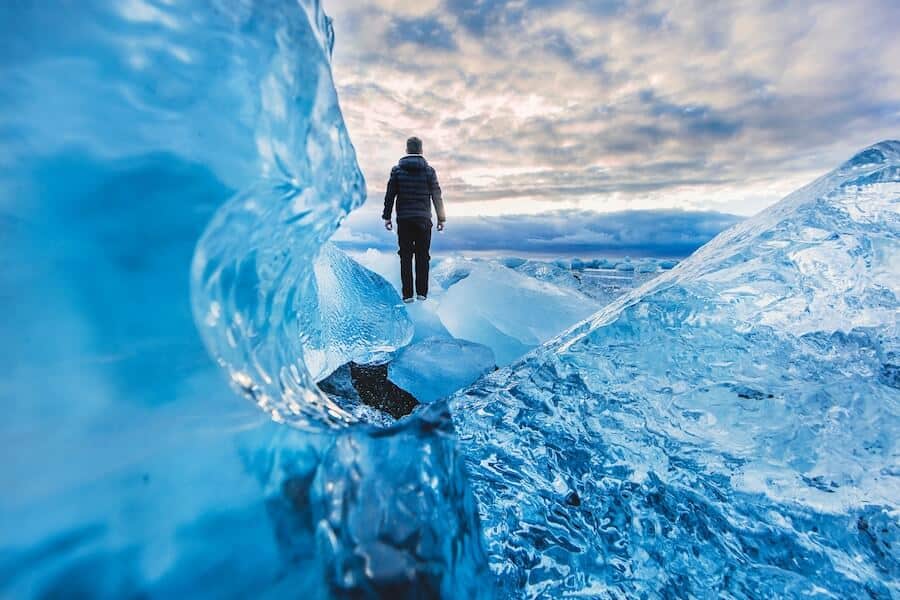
{"x": 527, "y": 106}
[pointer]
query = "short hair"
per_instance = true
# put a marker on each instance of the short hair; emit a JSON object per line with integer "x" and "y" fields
{"x": 414, "y": 145}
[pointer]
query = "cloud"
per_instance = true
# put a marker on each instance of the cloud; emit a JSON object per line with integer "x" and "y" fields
{"x": 612, "y": 105}
{"x": 668, "y": 233}
{"x": 423, "y": 31}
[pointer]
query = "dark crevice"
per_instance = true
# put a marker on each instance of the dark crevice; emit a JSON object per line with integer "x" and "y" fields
{"x": 371, "y": 386}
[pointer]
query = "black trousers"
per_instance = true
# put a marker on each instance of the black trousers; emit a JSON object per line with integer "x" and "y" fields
{"x": 414, "y": 236}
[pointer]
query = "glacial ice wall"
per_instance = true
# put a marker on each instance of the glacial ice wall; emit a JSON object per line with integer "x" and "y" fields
{"x": 273, "y": 322}
{"x": 728, "y": 429}
{"x": 133, "y": 471}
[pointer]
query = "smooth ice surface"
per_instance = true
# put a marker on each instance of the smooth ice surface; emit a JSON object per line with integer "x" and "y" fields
{"x": 729, "y": 428}
{"x": 505, "y": 310}
{"x": 436, "y": 367}
{"x": 426, "y": 322}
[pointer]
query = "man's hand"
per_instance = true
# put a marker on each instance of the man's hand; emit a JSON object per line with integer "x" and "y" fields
{"x": 440, "y": 226}
{"x": 388, "y": 225}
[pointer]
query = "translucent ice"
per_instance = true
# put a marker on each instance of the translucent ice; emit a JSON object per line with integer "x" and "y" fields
{"x": 131, "y": 470}
{"x": 436, "y": 367}
{"x": 729, "y": 428}
{"x": 359, "y": 316}
{"x": 596, "y": 278}
{"x": 505, "y": 310}
{"x": 508, "y": 305}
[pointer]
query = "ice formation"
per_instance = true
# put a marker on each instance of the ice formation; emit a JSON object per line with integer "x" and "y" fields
{"x": 132, "y": 471}
{"x": 436, "y": 367}
{"x": 730, "y": 427}
{"x": 509, "y": 312}
{"x": 510, "y": 306}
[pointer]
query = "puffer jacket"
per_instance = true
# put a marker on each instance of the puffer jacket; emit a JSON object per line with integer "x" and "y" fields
{"x": 414, "y": 185}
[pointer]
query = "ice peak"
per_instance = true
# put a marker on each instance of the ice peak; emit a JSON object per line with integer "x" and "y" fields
{"x": 876, "y": 154}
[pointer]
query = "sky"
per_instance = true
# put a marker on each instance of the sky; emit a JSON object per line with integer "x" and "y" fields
{"x": 611, "y": 113}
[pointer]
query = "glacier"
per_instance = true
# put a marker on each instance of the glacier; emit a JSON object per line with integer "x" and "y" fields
{"x": 170, "y": 175}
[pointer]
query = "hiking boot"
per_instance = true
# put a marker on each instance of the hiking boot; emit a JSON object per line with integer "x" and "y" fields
{"x": 421, "y": 298}
{"x": 409, "y": 300}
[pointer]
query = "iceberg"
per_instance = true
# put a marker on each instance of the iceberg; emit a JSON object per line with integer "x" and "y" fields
{"x": 729, "y": 427}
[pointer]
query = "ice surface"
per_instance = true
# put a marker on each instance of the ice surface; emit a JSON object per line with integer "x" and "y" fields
{"x": 130, "y": 469}
{"x": 426, "y": 322}
{"x": 395, "y": 509}
{"x": 436, "y": 367}
{"x": 505, "y": 310}
{"x": 729, "y": 428}
{"x": 277, "y": 309}
{"x": 359, "y": 316}
{"x": 595, "y": 278}
{"x": 508, "y": 305}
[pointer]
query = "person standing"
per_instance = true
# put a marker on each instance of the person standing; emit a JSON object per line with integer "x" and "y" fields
{"x": 414, "y": 187}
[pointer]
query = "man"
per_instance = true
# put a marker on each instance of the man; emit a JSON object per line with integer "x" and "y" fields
{"x": 414, "y": 185}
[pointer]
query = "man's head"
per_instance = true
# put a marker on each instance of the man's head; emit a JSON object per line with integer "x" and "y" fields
{"x": 414, "y": 145}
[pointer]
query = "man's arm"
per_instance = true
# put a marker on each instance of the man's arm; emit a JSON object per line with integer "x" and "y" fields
{"x": 437, "y": 199}
{"x": 389, "y": 198}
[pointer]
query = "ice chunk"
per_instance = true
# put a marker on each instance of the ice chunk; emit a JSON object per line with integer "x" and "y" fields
{"x": 513, "y": 262}
{"x": 426, "y": 322}
{"x": 386, "y": 264}
{"x": 668, "y": 264}
{"x": 507, "y": 311}
{"x": 280, "y": 311}
{"x": 733, "y": 423}
{"x": 647, "y": 266}
{"x": 510, "y": 310}
{"x": 358, "y": 317}
{"x": 130, "y": 469}
{"x": 451, "y": 271}
{"x": 395, "y": 518}
{"x": 436, "y": 367}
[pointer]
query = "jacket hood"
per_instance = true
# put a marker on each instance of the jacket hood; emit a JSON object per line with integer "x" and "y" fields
{"x": 412, "y": 163}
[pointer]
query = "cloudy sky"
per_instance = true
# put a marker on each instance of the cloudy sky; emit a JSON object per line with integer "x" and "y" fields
{"x": 551, "y": 108}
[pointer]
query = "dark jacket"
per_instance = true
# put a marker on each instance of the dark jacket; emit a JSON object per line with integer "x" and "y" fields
{"x": 414, "y": 185}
